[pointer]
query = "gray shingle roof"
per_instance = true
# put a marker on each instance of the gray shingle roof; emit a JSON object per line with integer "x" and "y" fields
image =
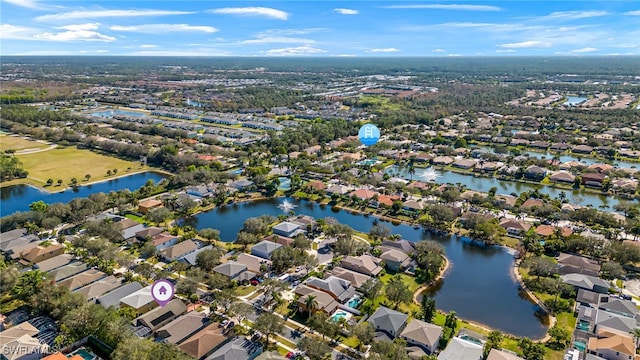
{"x": 139, "y": 298}
{"x": 96, "y": 289}
{"x": 54, "y": 263}
{"x": 191, "y": 258}
{"x": 422, "y": 332}
{"x": 230, "y": 268}
{"x": 388, "y": 320}
{"x": 459, "y": 349}
{"x": 161, "y": 315}
{"x": 68, "y": 270}
{"x": 180, "y": 328}
{"x": 338, "y": 288}
{"x": 112, "y": 298}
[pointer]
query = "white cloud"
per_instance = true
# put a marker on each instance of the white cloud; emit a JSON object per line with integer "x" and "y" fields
{"x": 345, "y": 55}
{"x": 572, "y": 15}
{"x": 344, "y": 11}
{"x": 585, "y": 50}
{"x": 94, "y": 14}
{"x": 632, "y": 13}
{"x": 506, "y": 51}
{"x": 30, "y": 4}
{"x": 202, "y": 52}
{"x": 278, "y": 40}
{"x": 526, "y": 44}
{"x": 383, "y": 50}
{"x": 438, "y": 50}
{"x": 252, "y": 11}
{"x": 462, "y": 7}
{"x": 454, "y": 55}
{"x": 148, "y": 46}
{"x": 75, "y": 35}
{"x": 16, "y": 32}
{"x": 102, "y": 51}
{"x": 80, "y": 27}
{"x": 164, "y": 28}
{"x": 294, "y": 51}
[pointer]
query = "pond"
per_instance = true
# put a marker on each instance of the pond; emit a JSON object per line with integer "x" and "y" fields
{"x": 506, "y": 187}
{"x": 574, "y": 100}
{"x": 479, "y": 284}
{"x": 18, "y": 197}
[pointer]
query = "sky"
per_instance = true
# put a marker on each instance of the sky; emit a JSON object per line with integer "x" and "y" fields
{"x": 320, "y": 28}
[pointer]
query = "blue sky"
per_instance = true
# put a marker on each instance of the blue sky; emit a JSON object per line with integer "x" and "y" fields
{"x": 319, "y": 28}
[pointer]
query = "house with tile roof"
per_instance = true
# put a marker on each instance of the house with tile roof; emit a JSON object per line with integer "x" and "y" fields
{"x": 323, "y": 301}
{"x": 355, "y": 278}
{"x": 164, "y": 240}
{"x": 182, "y": 327}
{"x": 394, "y": 259}
{"x": 54, "y": 262}
{"x": 339, "y": 289}
{"x": 41, "y": 253}
{"x": 612, "y": 346}
{"x": 161, "y": 315}
{"x": 422, "y": 334}
{"x": 113, "y": 297}
{"x": 364, "y": 264}
{"x": 203, "y": 342}
{"x": 99, "y": 288}
{"x": 140, "y": 300}
{"x": 236, "y": 349}
{"x": 79, "y": 280}
{"x": 178, "y": 250}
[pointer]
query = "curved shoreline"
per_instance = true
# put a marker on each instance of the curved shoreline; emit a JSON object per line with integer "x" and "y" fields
{"x": 551, "y": 319}
{"x": 47, "y": 191}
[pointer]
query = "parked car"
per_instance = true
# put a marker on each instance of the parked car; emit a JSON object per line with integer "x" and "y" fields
{"x": 223, "y": 323}
{"x": 255, "y": 282}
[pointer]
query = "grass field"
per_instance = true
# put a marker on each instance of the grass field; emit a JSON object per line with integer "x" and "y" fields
{"x": 67, "y": 163}
{"x": 18, "y": 143}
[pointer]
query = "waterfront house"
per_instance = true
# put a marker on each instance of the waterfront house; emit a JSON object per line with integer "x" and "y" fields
{"x": 535, "y": 172}
{"x": 593, "y": 179}
{"x": 390, "y": 321}
{"x": 562, "y": 176}
{"x": 515, "y": 227}
{"x": 496, "y": 354}
{"x": 164, "y": 240}
{"x": 461, "y": 349}
{"x": 287, "y": 229}
{"x": 412, "y": 206}
{"x": 582, "y": 149}
{"x": 394, "y": 259}
{"x": 586, "y": 282}
{"x": 612, "y": 345}
{"x": 574, "y": 264}
{"x": 422, "y": 334}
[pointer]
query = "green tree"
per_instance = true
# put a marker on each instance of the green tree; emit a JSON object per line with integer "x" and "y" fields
{"x": 210, "y": 234}
{"x": 531, "y": 350}
{"x": 493, "y": 342}
{"x": 159, "y": 215}
{"x": 397, "y": 291}
{"x": 560, "y": 338}
{"x": 314, "y": 348}
{"x": 28, "y": 283}
{"x": 310, "y": 303}
{"x": 451, "y": 321}
{"x": 38, "y": 206}
{"x": 87, "y": 177}
{"x": 364, "y": 332}
{"x": 428, "y": 308}
{"x": 208, "y": 259}
{"x": 268, "y": 324}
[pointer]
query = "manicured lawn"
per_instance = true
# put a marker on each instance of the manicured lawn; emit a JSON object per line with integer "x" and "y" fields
{"x": 351, "y": 341}
{"x": 18, "y": 143}
{"x": 244, "y": 290}
{"x": 70, "y": 163}
{"x": 137, "y": 218}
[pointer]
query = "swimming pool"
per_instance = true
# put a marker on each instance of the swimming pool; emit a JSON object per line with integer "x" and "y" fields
{"x": 354, "y": 302}
{"x": 85, "y": 354}
{"x": 340, "y": 315}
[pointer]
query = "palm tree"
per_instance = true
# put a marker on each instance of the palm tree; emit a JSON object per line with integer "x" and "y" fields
{"x": 310, "y": 302}
{"x": 636, "y": 336}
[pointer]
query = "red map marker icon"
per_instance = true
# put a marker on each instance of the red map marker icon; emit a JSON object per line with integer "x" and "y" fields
{"x": 162, "y": 291}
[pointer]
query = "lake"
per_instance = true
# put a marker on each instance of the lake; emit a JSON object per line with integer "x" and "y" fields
{"x": 110, "y": 113}
{"x": 18, "y": 197}
{"x": 507, "y": 187}
{"x": 478, "y": 285}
